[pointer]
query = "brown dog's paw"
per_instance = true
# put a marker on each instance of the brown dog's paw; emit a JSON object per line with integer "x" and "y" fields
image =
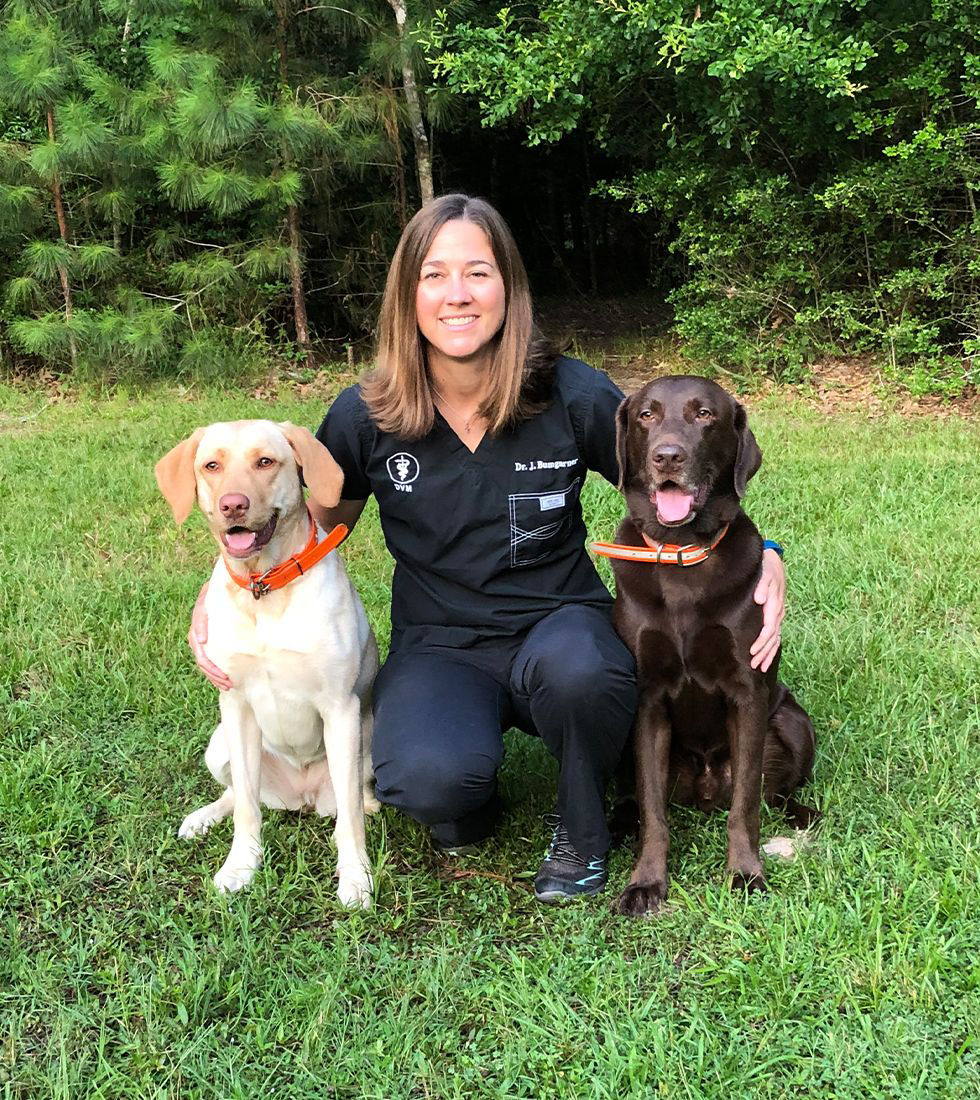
{"x": 800, "y": 816}
{"x": 640, "y": 898}
{"x": 749, "y": 884}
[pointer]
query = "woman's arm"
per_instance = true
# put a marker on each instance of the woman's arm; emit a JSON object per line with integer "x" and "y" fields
{"x": 347, "y": 511}
{"x": 197, "y": 636}
{"x": 771, "y": 593}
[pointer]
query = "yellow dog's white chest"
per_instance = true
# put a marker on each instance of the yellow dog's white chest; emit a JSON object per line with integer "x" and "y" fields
{"x": 283, "y": 654}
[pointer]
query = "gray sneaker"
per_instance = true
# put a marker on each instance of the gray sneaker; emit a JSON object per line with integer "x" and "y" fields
{"x": 564, "y": 874}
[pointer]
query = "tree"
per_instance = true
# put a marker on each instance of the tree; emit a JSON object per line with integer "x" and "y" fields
{"x": 813, "y": 164}
{"x": 423, "y": 158}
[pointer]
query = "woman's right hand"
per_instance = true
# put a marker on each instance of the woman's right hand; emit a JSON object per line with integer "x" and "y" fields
{"x": 197, "y": 636}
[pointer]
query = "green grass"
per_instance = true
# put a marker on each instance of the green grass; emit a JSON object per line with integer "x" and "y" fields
{"x": 123, "y": 974}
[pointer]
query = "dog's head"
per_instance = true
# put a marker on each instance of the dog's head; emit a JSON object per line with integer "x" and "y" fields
{"x": 685, "y": 454}
{"x": 245, "y": 476}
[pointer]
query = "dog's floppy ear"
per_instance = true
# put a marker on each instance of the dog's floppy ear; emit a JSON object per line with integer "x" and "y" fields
{"x": 322, "y": 475}
{"x": 622, "y": 423}
{"x": 748, "y": 457}
{"x": 176, "y": 478}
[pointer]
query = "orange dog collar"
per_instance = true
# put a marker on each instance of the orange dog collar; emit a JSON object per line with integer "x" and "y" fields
{"x": 280, "y": 575}
{"x": 659, "y": 553}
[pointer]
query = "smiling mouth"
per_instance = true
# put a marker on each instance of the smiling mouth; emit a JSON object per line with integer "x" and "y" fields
{"x": 243, "y": 542}
{"x": 458, "y": 322}
{"x": 675, "y": 504}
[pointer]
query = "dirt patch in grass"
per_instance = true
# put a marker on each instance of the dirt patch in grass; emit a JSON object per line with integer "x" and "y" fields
{"x": 629, "y": 338}
{"x": 853, "y": 385}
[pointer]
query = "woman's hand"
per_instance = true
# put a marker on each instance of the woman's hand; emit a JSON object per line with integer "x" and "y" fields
{"x": 197, "y": 636}
{"x": 771, "y": 593}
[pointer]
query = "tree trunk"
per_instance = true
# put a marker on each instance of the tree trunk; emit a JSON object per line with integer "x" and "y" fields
{"x": 292, "y": 212}
{"x": 423, "y": 156}
{"x": 59, "y": 209}
{"x": 296, "y": 278}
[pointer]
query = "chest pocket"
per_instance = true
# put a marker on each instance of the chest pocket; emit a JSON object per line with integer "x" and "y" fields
{"x": 539, "y": 522}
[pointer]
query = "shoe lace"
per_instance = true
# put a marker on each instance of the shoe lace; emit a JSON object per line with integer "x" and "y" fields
{"x": 560, "y": 846}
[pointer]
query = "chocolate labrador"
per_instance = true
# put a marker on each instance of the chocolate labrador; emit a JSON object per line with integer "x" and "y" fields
{"x": 710, "y": 731}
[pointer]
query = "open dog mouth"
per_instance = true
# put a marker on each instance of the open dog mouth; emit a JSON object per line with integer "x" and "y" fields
{"x": 242, "y": 542}
{"x": 675, "y": 503}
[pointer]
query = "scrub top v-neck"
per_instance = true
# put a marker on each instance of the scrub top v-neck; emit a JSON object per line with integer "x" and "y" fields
{"x": 488, "y": 542}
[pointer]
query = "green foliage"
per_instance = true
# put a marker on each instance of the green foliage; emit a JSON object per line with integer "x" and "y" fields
{"x": 225, "y": 355}
{"x": 46, "y": 337}
{"x": 176, "y": 139}
{"x": 44, "y": 259}
{"x": 809, "y": 169}
{"x": 23, "y": 292}
{"x": 96, "y": 259}
{"x": 813, "y": 165}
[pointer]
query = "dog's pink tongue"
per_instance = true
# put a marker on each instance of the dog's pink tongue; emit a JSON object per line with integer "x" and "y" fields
{"x": 673, "y": 505}
{"x": 239, "y": 540}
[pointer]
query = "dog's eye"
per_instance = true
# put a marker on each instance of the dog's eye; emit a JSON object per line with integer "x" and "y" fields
{"x": 264, "y": 461}
{"x": 645, "y": 414}
{"x": 212, "y": 465}
{"x": 705, "y": 414}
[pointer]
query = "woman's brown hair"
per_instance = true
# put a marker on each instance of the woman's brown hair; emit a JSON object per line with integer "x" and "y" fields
{"x": 398, "y": 392}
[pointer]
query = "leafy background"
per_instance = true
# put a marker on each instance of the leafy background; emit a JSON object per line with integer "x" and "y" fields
{"x": 188, "y": 187}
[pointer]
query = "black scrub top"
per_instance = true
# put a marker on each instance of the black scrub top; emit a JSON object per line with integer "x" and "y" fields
{"x": 485, "y": 543}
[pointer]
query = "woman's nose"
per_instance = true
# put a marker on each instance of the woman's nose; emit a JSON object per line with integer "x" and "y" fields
{"x": 458, "y": 291}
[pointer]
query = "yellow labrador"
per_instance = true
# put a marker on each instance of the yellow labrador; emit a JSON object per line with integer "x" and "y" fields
{"x": 296, "y": 726}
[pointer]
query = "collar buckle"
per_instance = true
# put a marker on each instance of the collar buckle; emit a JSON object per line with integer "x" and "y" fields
{"x": 259, "y": 586}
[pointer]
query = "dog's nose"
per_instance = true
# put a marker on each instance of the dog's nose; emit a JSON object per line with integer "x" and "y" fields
{"x": 669, "y": 456}
{"x": 233, "y": 504}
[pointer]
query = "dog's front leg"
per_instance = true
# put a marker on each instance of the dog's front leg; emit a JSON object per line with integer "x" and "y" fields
{"x": 342, "y": 741}
{"x": 245, "y": 762}
{"x": 647, "y": 888}
{"x": 746, "y": 734}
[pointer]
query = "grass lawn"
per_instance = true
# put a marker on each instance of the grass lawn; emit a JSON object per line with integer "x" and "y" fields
{"x": 123, "y": 974}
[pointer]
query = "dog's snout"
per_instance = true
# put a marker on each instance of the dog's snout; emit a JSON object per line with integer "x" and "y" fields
{"x": 233, "y": 504}
{"x": 668, "y": 456}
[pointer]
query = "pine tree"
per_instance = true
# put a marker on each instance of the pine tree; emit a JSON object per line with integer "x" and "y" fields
{"x": 35, "y": 60}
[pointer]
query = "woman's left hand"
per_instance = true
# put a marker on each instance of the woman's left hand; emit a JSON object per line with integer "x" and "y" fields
{"x": 771, "y": 593}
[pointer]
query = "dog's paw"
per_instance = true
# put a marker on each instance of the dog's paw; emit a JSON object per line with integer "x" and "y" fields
{"x": 229, "y": 880}
{"x": 237, "y": 871}
{"x": 749, "y": 883}
{"x": 371, "y": 804}
{"x": 640, "y": 898}
{"x": 198, "y": 823}
{"x": 355, "y": 890}
{"x": 803, "y": 817}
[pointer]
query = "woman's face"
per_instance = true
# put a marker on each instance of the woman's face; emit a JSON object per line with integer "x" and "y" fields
{"x": 460, "y": 300}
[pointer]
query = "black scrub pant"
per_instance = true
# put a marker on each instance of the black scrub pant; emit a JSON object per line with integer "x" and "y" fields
{"x": 440, "y": 715}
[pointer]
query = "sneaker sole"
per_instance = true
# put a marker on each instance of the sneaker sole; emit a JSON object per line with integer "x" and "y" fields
{"x": 559, "y": 897}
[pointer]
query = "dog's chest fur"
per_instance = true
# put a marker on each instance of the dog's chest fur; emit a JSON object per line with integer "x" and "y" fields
{"x": 690, "y": 628}
{"x": 295, "y": 652}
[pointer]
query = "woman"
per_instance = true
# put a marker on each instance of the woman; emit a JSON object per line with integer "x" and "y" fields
{"x": 476, "y": 440}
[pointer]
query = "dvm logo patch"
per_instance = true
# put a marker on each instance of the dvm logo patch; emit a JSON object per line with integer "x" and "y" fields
{"x": 403, "y": 469}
